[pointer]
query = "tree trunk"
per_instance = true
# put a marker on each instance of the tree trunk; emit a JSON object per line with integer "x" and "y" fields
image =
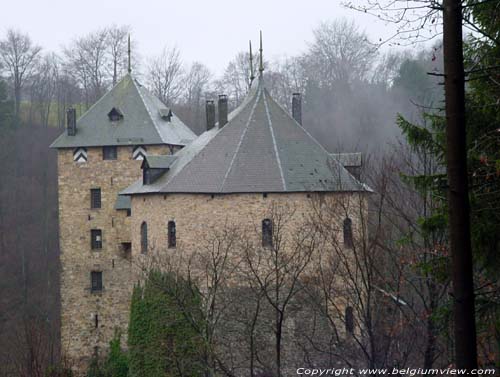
{"x": 458, "y": 199}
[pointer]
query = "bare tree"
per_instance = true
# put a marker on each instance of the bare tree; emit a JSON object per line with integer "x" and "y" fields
{"x": 340, "y": 53}
{"x": 164, "y": 75}
{"x": 276, "y": 268}
{"x": 18, "y": 55}
{"x": 43, "y": 88}
{"x": 117, "y": 41}
{"x": 414, "y": 19}
{"x": 196, "y": 84}
{"x": 87, "y": 61}
{"x": 235, "y": 81}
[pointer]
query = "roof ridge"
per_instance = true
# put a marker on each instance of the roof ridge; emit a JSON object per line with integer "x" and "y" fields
{"x": 316, "y": 141}
{"x": 148, "y": 110}
{"x": 241, "y": 140}
{"x": 270, "y": 122}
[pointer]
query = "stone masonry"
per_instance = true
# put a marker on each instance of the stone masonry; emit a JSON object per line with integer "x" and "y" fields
{"x": 82, "y": 334}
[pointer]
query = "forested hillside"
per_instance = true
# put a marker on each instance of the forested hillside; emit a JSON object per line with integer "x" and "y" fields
{"x": 385, "y": 103}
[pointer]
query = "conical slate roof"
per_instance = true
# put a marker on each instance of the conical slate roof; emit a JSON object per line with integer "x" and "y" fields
{"x": 261, "y": 149}
{"x": 145, "y": 121}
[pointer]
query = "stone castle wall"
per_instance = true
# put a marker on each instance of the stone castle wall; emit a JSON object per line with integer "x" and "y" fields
{"x": 199, "y": 216}
{"x": 79, "y": 334}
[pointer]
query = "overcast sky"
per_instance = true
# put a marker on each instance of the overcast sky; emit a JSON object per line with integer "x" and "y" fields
{"x": 211, "y": 32}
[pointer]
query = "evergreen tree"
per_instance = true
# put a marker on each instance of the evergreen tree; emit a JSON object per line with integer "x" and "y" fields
{"x": 482, "y": 54}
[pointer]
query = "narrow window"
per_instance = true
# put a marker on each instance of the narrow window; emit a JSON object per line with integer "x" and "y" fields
{"x": 144, "y": 238}
{"x": 96, "y": 320}
{"x": 349, "y": 320}
{"x": 172, "y": 238}
{"x": 109, "y": 153}
{"x": 348, "y": 233}
{"x": 95, "y": 198}
{"x": 96, "y": 280}
{"x": 129, "y": 212}
{"x": 96, "y": 239}
{"x": 267, "y": 233}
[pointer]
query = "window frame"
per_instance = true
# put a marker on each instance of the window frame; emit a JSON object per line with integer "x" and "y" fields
{"x": 172, "y": 234}
{"x": 347, "y": 233}
{"x": 267, "y": 233}
{"x": 349, "y": 319}
{"x": 144, "y": 237}
{"x": 106, "y": 152}
{"x": 95, "y": 203}
{"x": 96, "y": 281}
{"x": 94, "y": 243}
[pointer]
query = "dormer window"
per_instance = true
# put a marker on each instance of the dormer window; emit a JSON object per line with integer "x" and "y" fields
{"x": 165, "y": 114}
{"x": 153, "y": 167}
{"x": 115, "y": 115}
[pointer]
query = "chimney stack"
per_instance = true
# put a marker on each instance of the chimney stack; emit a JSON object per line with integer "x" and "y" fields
{"x": 71, "y": 121}
{"x": 297, "y": 107}
{"x": 222, "y": 110}
{"x": 210, "y": 110}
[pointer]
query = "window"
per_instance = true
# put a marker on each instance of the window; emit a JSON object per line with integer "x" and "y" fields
{"x": 172, "y": 238}
{"x": 348, "y": 233}
{"x": 144, "y": 238}
{"x": 129, "y": 212}
{"x": 95, "y": 198}
{"x": 349, "y": 320}
{"x": 109, "y": 153}
{"x": 96, "y": 320}
{"x": 96, "y": 239}
{"x": 267, "y": 233}
{"x": 115, "y": 115}
{"x": 96, "y": 280}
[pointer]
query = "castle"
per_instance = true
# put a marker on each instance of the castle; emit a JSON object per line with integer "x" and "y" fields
{"x": 131, "y": 175}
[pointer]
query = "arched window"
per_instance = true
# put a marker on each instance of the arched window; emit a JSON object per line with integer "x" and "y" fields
{"x": 144, "y": 237}
{"x": 267, "y": 233}
{"x": 348, "y": 233}
{"x": 172, "y": 238}
{"x": 349, "y": 319}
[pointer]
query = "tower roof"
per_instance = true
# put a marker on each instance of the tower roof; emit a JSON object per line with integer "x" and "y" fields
{"x": 261, "y": 149}
{"x": 142, "y": 119}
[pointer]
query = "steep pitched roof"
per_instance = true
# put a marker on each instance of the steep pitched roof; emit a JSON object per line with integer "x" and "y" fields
{"x": 261, "y": 149}
{"x": 143, "y": 120}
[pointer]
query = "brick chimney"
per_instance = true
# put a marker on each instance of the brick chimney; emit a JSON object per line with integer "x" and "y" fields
{"x": 222, "y": 110}
{"x": 210, "y": 110}
{"x": 297, "y": 107}
{"x": 71, "y": 121}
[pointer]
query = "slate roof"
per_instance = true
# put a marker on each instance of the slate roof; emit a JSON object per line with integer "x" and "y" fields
{"x": 159, "y": 161}
{"x": 142, "y": 123}
{"x": 261, "y": 149}
{"x": 123, "y": 202}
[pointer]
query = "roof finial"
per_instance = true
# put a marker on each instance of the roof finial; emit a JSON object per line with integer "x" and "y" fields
{"x": 129, "y": 65}
{"x": 252, "y": 76}
{"x": 261, "y": 64}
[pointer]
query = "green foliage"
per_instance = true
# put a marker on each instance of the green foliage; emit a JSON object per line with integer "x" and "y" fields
{"x": 94, "y": 369}
{"x": 482, "y": 54}
{"x": 116, "y": 364}
{"x": 58, "y": 371}
{"x": 164, "y": 329}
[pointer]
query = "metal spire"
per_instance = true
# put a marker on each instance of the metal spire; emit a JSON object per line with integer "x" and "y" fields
{"x": 129, "y": 65}
{"x": 261, "y": 64}
{"x": 252, "y": 76}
